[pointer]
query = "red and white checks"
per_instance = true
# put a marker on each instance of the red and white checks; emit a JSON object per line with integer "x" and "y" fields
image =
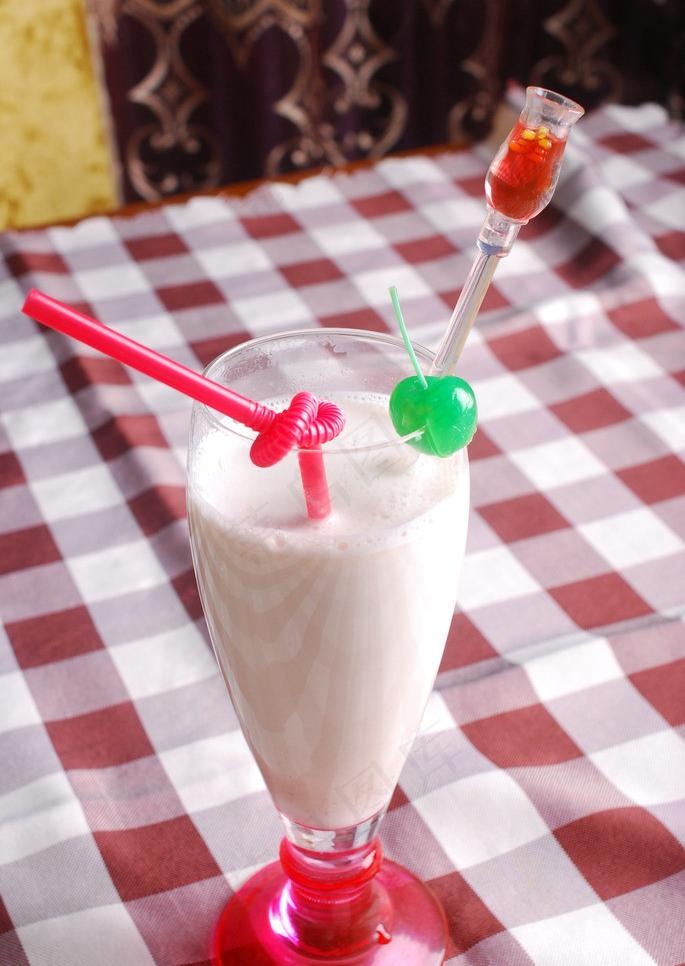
{"x": 544, "y": 798}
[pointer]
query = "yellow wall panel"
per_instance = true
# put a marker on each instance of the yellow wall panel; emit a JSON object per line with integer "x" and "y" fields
{"x": 54, "y": 156}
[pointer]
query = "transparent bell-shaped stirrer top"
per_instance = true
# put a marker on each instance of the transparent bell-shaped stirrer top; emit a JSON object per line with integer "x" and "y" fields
{"x": 519, "y": 184}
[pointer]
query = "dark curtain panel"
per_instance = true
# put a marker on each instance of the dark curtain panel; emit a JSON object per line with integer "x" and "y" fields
{"x": 204, "y": 92}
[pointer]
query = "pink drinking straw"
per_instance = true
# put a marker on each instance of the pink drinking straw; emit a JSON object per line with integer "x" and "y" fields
{"x": 306, "y": 424}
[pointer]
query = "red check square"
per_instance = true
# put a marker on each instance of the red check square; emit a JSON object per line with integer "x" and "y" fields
{"x": 22, "y": 263}
{"x": 208, "y": 349}
{"x": 11, "y": 473}
{"x": 640, "y": 320}
{"x": 590, "y": 264}
{"x": 473, "y": 186}
{"x": 599, "y": 601}
{"x": 592, "y": 410}
{"x": 315, "y": 272}
{"x": 526, "y": 736}
{"x": 481, "y": 446}
{"x": 493, "y": 300}
{"x": 79, "y": 372}
{"x": 425, "y": 249}
{"x": 664, "y": 688}
{"x": 542, "y": 223}
{"x": 465, "y": 645}
{"x": 357, "y": 319}
{"x": 53, "y": 637}
{"x": 158, "y": 507}
{"x": 100, "y": 739}
{"x": 678, "y": 176}
{"x": 5, "y": 921}
{"x": 270, "y": 226}
{"x": 121, "y": 433}
{"x": 672, "y": 245}
{"x": 388, "y": 203}
{"x": 31, "y": 547}
{"x": 398, "y": 799}
{"x": 469, "y": 921}
{"x": 621, "y": 849}
{"x": 657, "y": 480}
{"x": 523, "y": 517}
{"x": 185, "y": 586}
{"x": 156, "y": 858}
{"x": 626, "y": 142}
{"x": 192, "y": 295}
{"x": 156, "y": 246}
{"x": 522, "y": 350}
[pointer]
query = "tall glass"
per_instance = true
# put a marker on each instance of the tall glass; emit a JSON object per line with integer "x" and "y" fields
{"x": 329, "y": 634}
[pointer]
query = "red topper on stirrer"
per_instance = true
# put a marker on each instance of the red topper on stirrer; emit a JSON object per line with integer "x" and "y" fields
{"x": 519, "y": 184}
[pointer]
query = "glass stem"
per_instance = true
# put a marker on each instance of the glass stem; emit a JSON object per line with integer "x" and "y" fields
{"x": 332, "y": 903}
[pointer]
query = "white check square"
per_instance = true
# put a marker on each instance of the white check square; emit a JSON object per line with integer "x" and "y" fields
{"x": 311, "y": 193}
{"x": 599, "y": 209}
{"x": 575, "y": 667}
{"x": 584, "y": 937}
{"x": 447, "y": 216}
{"x": 226, "y": 261}
{"x": 619, "y": 363}
{"x": 480, "y": 817}
{"x": 631, "y": 538}
{"x": 112, "y": 282}
{"x": 574, "y": 305}
{"x": 668, "y": 425}
{"x": 39, "y": 815}
{"x": 437, "y": 716}
{"x": 87, "y": 234}
{"x": 11, "y": 298}
{"x": 155, "y": 665}
{"x": 407, "y": 171}
{"x": 664, "y": 277}
{"x": 557, "y": 463}
{"x": 212, "y": 771}
{"x": 25, "y": 357}
{"x": 198, "y": 212}
{"x": 667, "y": 212}
{"x": 522, "y": 261}
{"x": 276, "y": 310}
{"x": 649, "y": 770}
{"x": 116, "y": 571}
{"x": 374, "y": 285}
{"x": 156, "y": 331}
{"x": 620, "y": 172}
{"x": 348, "y": 238}
{"x": 44, "y": 423}
{"x": 503, "y": 395}
{"x": 105, "y": 935}
{"x": 72, "y": 494}
{"x": 17, "y": 707}
{"x": 492, "y": 576}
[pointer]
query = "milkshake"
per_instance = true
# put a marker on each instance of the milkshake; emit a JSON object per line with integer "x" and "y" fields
{"x": 329, "y": 633}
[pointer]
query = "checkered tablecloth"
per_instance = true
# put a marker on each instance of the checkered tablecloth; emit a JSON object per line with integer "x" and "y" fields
{"x": 544, "y": 799}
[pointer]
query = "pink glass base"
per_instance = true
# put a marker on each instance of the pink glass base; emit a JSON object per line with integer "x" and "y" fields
{"x": 391, "y": 919}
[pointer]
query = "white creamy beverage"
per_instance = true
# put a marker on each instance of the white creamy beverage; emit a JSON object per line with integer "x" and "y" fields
{"x": 329, "y": 634}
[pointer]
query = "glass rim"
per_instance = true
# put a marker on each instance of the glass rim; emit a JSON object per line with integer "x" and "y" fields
{"x": 217, "y": 419}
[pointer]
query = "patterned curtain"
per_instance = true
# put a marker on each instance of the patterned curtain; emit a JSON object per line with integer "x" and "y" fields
{"x": 204, "y": 92}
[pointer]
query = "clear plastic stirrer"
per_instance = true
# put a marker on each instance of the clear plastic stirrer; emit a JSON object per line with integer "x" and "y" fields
{"x": 519, "y": 184}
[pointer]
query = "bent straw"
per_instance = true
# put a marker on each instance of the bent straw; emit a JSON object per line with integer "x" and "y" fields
{"x": 65, "y": 319}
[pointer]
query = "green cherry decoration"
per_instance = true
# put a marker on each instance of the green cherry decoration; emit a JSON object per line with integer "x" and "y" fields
{"x": 445, "y": 409}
